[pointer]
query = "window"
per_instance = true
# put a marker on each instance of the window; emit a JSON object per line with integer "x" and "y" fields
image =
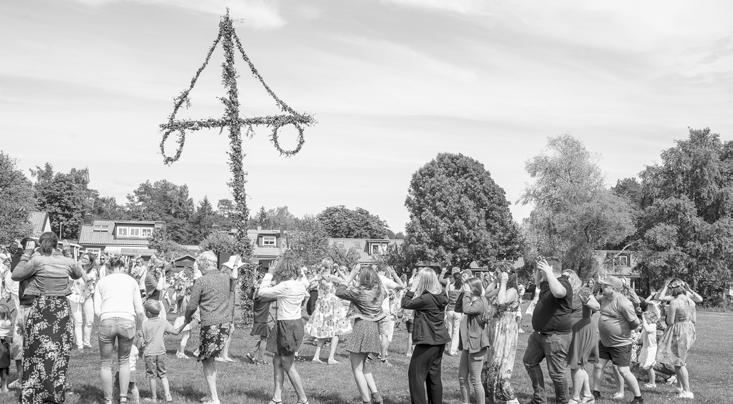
{"x": 100, "y": 227}
{"x": 146, "y": 232}
{"x": 269, "y": 241}
{"x": 122, "y": 231}
{"x": 134, "y": 232}
{"x": 377, "y": 249}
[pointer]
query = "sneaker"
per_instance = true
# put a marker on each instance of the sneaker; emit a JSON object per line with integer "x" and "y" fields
{"x": 637, "y": 400}
{"x": 181, "y": 355}
{"x": 333, "y": 362}
{"x": 574, "y": 401}
{"x": 587, "y": 400}
{"x": 686, "y": 395}
{"x": 672, "y": 380}
{"x": 618, "y": 396}
{"x": 650, "y": 385}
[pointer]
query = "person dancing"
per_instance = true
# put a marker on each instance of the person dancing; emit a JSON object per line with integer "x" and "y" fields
{"x": 287, "y": 335}
{"x": 429, "y": 335}
{"x": 474, "y": 339}
{"x": 366, "y": 311}
{"x": 322, "y": 324}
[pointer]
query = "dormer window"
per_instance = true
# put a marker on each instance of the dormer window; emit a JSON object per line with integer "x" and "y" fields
{"x": 269, "y": 241}
{"x": 376, "y": 249}
{"x": 122, "y": 232}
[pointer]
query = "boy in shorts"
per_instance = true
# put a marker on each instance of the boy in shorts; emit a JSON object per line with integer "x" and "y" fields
{"x": 153, "y": 330}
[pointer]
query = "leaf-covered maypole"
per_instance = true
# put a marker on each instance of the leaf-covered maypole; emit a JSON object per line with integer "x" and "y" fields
{"x": 231, "y": 119}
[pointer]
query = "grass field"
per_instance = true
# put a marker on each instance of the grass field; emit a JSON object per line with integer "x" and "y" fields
{"x": 709, "y": 364}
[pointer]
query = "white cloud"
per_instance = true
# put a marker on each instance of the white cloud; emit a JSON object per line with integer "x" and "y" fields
{"x": 253, "y": 13}
{"x": 457, "y": 6}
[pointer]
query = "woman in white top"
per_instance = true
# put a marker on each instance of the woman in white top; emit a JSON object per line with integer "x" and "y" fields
{"x": 82, "y": 305}
{"x": 287, "y": 334}
{"x": 119, "y": 308}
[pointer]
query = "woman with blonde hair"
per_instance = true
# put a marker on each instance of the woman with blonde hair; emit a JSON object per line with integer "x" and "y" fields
{"x": 429, "y": 335}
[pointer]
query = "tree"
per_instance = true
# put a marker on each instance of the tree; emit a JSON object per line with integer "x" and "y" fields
{"x": 65, "y": 196}
{"x": 106, "y": 207}
{"x": 309, "y": 241}
{"x": 203, "y": 221}
{"x": 164, "y": 246}
{"x": 458, "y": 214}
{"x": 573, "y": 212}
{"x": 278, "y": 218}
{"x": 224, "y": 211}
{"x": 686, "y": 228}
{"x": 341, "y": 222}
{"x": 16, "y": 201}
{"x": 165, "y": 201}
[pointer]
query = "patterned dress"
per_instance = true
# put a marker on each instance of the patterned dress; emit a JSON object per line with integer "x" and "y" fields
{"x": 497, "y": 373}
{"x": 50, "y": 336}
{"x": 328, "y": 318}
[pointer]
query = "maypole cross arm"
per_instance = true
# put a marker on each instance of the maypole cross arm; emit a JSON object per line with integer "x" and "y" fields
{"x": 231, "y": 119}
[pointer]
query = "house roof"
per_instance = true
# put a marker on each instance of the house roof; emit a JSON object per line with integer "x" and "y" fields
{"x": 360, "y": 245}
{"x": 87, "y": 235}
{"x": 183, "y": 257}
{"x": 38, "y": 221}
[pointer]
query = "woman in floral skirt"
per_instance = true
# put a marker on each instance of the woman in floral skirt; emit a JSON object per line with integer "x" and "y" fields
{"x": 498, "y": 367}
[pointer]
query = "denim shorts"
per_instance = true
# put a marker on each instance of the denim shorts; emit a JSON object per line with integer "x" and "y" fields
{"x": 119, "y": 330}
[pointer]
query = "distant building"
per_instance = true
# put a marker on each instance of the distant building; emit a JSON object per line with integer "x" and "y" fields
{"x": 267, "y": 246}
{"x": 122, "y": 237}
{"x": 368, "y": 248}
{"x": 621, "y": 263}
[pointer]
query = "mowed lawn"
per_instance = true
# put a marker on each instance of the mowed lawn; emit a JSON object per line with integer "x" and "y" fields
{"x": 709, "y": 364}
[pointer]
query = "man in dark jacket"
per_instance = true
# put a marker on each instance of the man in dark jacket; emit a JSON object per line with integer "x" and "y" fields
{"x": 552, "y": 322}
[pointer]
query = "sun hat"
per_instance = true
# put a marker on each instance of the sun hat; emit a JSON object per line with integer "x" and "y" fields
{"x": 234, "y": 262}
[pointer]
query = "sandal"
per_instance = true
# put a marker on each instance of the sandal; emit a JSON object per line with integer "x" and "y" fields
{"x": 272, "y": 401}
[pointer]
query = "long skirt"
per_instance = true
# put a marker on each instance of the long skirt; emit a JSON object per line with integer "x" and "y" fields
{"x": 497, "y": 373}
{"x": 46, "y": 349}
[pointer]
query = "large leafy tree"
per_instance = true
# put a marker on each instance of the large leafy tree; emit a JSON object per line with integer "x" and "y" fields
{"x": 573, "y": 212}
{"x": 106, "y": 207}
{"x": 686, "y": 228}
{"x": 166, "y": 201}
{"x": 16, "y": 201}
{"x": 65, "y": 196}
{"x": 309, "y": 241}
{"x": 458, "y": 214}
{"x": 342, "y": 222}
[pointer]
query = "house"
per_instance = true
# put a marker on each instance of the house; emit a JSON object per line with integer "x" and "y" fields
{"x": 183, "y": 262}
{"x": 621, "y": 263}
{"x": 40, "y": 223}
{"x": 123, "y": 237}
{"x": 267, "y": 246}
{"x": 368, "y": 248}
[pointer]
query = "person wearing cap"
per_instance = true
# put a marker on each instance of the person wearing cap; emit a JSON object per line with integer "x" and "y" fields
{"x": 552, "y": 320}
{"x": 152, "y": 335}
{"x": 213, "y": 295}
{"x": 618, "y": 318}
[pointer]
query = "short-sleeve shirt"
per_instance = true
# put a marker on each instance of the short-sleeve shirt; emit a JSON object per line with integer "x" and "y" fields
{"x": 617, "y": 317}
{"x": 389, "y": 285}
{"x": 154, "y": 330}
{"x": 553, "y": 314}
{"x": 151, "y": 286}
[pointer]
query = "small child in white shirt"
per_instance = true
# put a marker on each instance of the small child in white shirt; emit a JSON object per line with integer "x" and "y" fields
{"x": 647, "y": 357}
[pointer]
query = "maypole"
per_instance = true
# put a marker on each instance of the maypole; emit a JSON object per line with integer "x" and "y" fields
{"x": 231, "y": 119}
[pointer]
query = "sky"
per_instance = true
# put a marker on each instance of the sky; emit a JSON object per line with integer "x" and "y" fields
{"x": 392, "y": 83}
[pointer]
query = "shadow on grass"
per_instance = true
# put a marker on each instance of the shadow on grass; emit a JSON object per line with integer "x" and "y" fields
{"x": 85, "y": 393}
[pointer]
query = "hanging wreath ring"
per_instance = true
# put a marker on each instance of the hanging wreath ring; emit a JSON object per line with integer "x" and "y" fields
{"x": 181, "y": 141}
{"x": 275, "y": 138}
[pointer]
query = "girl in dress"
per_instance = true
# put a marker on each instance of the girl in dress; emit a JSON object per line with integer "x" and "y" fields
{"x": 323, "y": 323}
{"x": 680, "y": 335}
{"x": 497, "y": 374}
{"x": 648, "y": 355}
{"x": 366, "y": 311}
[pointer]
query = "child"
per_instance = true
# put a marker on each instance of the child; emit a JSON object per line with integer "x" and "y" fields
{"x": 649, "y": 342}
{"x": 262, "y": 322}
{"x": 154, "y": 328}
{"x": 6, "y": 336}
{"x": 186, "y": 332}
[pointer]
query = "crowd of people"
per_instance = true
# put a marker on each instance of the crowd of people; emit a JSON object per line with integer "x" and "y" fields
{"x": 51, "y": 302}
